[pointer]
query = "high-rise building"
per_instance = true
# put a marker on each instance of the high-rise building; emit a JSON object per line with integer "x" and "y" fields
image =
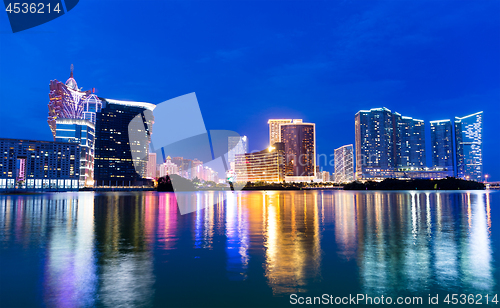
{"x": 123, "y": 132}
{"x": 469, "y": 145}
{"x": 275, "y": 130}
{"x": 375, "y": 149}
{"x": 409, "y": 135}
{"x": 197, "y": 169}
{"x": 39, "y": 165}
{"x": 81, "y": 132}
{"x": 344, "y": 164}
{"x": 387, "y": 142}
{"x": 236, "y": 145}
{"x": 325, "y": 176}
{"x": 265, "y": 166}
{"x": 299, "y": 140}
{"x": 151, "y": 168}
{"x": 442, "y": 144}
{"x": 66, "y": 101}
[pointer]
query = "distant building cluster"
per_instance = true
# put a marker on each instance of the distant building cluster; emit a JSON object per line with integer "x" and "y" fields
{"x": 290, "y": 157}
{"x": 389, "y": 145}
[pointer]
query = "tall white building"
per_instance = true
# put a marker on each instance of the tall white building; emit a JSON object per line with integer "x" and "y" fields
{"x": 344, "y": 164}
{"x": 151, "y": 168}
{"x": 275, "y": 129}
{"x": 325, "y": 176}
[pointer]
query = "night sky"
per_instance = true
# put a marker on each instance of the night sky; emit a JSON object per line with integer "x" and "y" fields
{"x": 249, "y": 61}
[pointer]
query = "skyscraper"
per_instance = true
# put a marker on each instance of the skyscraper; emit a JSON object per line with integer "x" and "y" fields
{"x": 81, "y": 132}
{"x": 121, "y": 149}
{"x": 66, "y": 101}
{"x": 236, "y": 145}
{"x": 442, "y": 144}
{"x": 375, "y": 149}
{"x": 299, "y": 140}
{"x": 409, "y": 135}
{"x": 151, "y": 169}
{"x": 344, "y": 164}
{"x": 469, "y": 145}
{"x": 275, "y": 130}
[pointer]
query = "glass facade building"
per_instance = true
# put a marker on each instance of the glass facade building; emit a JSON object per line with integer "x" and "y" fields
{"x": 81, "y": 132}
{"x": 374, "y": 142}
{"x": 299, "y": 141}
{"x": 123, "y": 132}
{"x": 442, "y": 144}
{"x": 387, "y": 142}
{"x": 264, "y": 166}
{"x": 39, "y": 165}
{"x": 409, "y": 135}
{"x": 469, "y": 146}
{"x": 344, "y": 164}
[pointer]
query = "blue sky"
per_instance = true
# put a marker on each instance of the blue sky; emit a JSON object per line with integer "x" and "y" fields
{"x": 249, "y": 61}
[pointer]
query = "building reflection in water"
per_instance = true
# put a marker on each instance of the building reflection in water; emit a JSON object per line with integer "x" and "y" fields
{"x": 237, "y": 238}
{"x": 345, "y": 221}
{"x": 412, "y": 242}
{"x": 124, "y": 225}
{"x": 292, "y": 240}
{"x": 99, "y": 249}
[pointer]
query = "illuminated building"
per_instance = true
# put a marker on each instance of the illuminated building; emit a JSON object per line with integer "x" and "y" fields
{"x": 325, "y": 176}
{"x": 344, "y": 164}
{"x": 442, "y": 144}
{"x": 39, "y": 165}
{"x": 121, "y": 152}
{"x": 275, "y": 129}
{"x": 265, "y": 166}
{"x": 81, "y": 132}
{"x": 208, "y": 174}
{"x": 236, "y": 145}
{"x": 386, "y": 142}
{"x": 299, "y": 140}
{"x": 92, "y": 105}
{"x": 66, "y": 101}
{"x": 410, "y": 141}
{"x": 197, "y": 169}
{"x": 168, "y": 167}
{"x": 151, "y": 168}
{"x": 185, "y": 166}
{"x": 469, "y": 145}
{"x": 374, "y": 143}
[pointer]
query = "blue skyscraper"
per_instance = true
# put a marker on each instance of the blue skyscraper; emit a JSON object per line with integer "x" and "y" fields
{"x": 409, "y": 136}
{"x": 375, "y": 147}
{"x": 81, "y": 132}
{"x": 469, "y": 146}
{"x": 442, "y": 144}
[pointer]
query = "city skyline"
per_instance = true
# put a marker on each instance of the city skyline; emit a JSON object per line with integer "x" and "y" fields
{"x": 436, "y": 69}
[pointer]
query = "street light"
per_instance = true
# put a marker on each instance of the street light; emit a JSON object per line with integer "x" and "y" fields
{"x": 486, "y": 178}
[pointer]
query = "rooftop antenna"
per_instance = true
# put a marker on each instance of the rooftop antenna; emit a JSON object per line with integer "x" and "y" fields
{"x": 71, "y": 68}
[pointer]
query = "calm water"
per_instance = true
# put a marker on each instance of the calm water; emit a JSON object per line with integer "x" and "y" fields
{"x": 251, "y": 249}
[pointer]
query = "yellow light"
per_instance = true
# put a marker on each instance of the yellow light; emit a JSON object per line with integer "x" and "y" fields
{"x": 270, "y": 148}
